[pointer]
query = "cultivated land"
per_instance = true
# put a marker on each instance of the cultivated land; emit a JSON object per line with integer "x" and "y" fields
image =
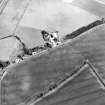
{"x": 37, "y": 73}
{"x": 59, "y": 16}
{"x": 92, "y": 6}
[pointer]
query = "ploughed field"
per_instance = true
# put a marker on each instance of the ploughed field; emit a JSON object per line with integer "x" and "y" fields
{"x": 26, "y": 80}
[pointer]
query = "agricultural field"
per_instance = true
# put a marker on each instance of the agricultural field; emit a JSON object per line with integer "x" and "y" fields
{"x": 26, "y": 80}
{"x": 72, "y": 73}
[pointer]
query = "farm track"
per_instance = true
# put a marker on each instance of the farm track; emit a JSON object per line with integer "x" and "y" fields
{"x": 45, "y": 69}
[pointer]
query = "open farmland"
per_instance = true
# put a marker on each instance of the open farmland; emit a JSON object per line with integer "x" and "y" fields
{"x": 39, "y": 72}
{"x": 59, "y": 16}
{"x": 70, "y": 74}
{"x": 96, "y": 7}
